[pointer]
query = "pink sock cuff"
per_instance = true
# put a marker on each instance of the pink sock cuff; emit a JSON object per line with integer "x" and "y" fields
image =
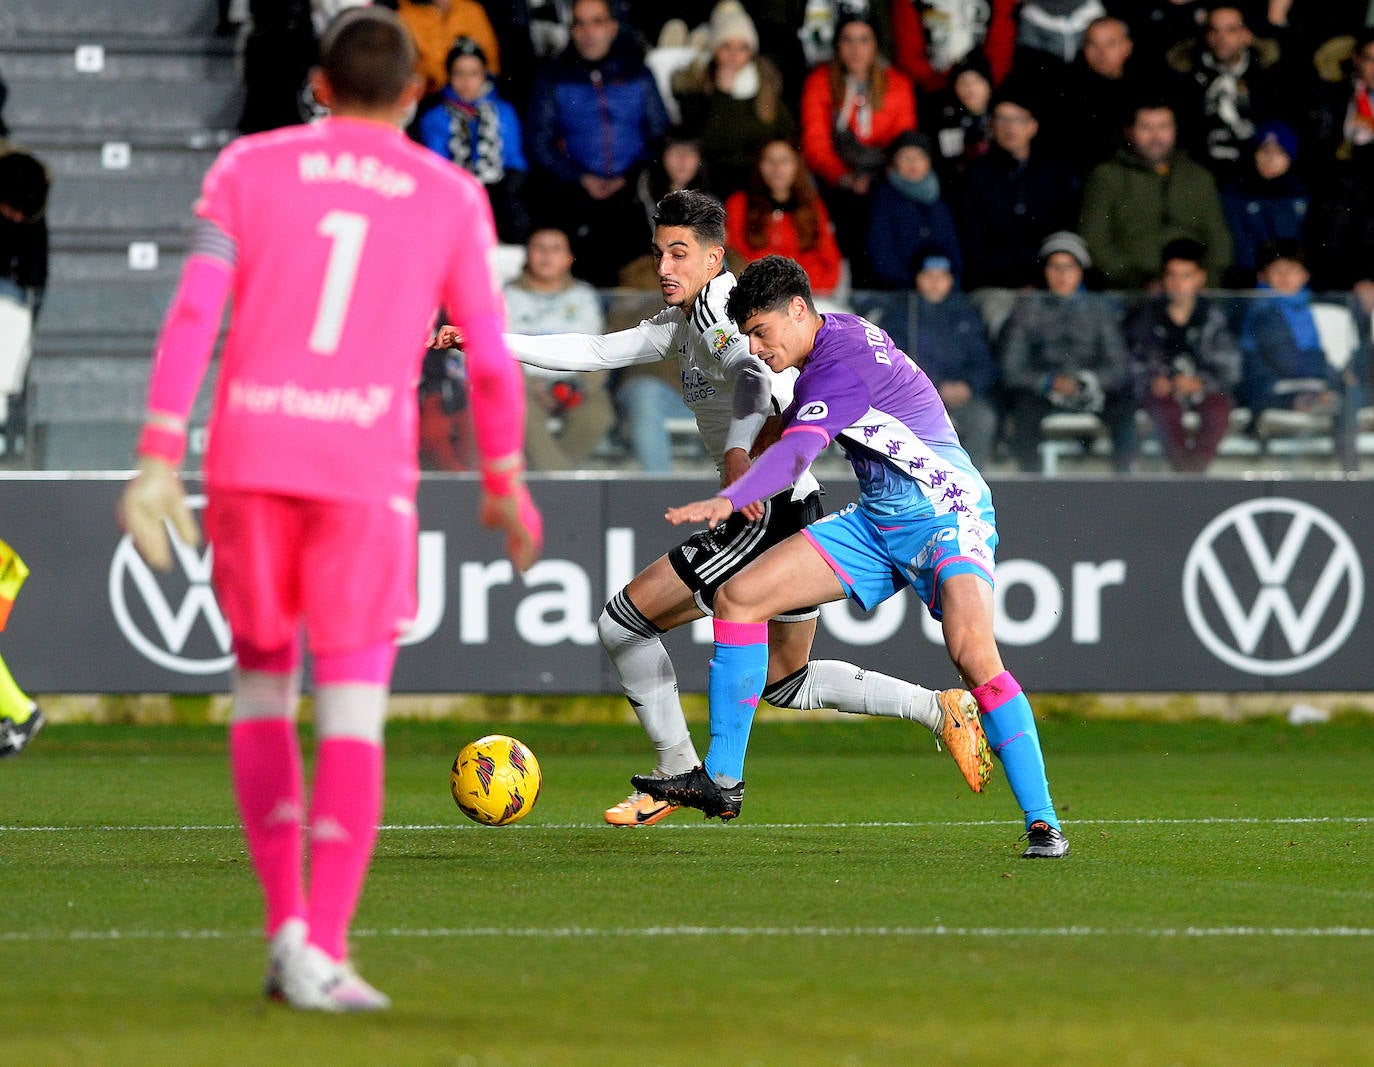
{"x": 740, "y": 633}
{"x": 992, "y": 695}
{"x": 370, "y": 665}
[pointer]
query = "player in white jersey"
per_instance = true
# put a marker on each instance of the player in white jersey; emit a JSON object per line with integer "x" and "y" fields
{"x": 731, "y": 394}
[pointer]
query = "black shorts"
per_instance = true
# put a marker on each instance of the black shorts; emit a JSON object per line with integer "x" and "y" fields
{"x": 709, "y": 558}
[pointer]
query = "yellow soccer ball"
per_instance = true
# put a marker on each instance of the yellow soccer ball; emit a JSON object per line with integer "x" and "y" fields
{"x": 495, "y": 780}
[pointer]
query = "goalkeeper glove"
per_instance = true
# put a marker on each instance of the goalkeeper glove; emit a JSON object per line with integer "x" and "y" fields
{"x": 155, "y": 497}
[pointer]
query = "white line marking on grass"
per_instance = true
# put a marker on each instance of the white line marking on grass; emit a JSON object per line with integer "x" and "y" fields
{"x": 706, "y": 825}
{"x": 592, "y": 932}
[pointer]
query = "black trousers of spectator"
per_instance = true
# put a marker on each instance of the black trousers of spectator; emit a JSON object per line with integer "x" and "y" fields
{"x": 1027, "y": 409}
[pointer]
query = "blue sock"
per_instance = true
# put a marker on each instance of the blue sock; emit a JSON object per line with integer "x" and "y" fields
{"x": 739, "y": 669}
{"x": 1010, "y": 725}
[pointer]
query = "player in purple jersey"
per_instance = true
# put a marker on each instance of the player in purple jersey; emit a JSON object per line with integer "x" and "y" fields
{"x": 924, "y": 519}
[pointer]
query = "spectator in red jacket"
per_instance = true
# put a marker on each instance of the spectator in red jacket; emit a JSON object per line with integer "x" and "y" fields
{"x": 852, "y": 108}
{"x": 781, "y": 213}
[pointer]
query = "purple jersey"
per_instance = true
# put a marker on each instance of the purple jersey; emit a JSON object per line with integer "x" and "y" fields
{"x": 859, "y": 387}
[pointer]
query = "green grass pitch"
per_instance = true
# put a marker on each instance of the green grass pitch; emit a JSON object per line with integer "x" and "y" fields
{"x": 866, "y": 909}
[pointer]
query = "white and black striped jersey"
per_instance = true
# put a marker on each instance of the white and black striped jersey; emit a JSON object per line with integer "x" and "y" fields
{"x": 729, "y": 391}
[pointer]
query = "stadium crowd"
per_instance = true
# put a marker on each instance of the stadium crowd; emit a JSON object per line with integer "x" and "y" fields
{"x": 1086, "y": 207}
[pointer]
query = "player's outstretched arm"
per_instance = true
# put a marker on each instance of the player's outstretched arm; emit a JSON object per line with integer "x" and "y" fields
{"x": 155, "y": 497}
{"x": 514, "y": 514}
{"x": 152, "y": 500}
{"x": 713, "y": 512}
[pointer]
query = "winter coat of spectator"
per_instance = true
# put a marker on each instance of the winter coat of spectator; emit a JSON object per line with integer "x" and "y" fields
{"x": 1050, "y": 33}
{"x": 472, "y": 126}
{"x": 1081, "y": 125}
{"x": 1013, "y": 198}
{"x": 1267, "y": 203}
{"x": 910, "y": 223}
{"x": 952, "y": 348}
{"x": 1285, "y": 363}
{"x": 1061, "y": 351}
{"x": 1302, "y": 27}
{"x": 1342, "y": 224}
{"x": 436, "y": 24}
{"x": 1149, "y": 195}
{"x": 1159, "y": 25}
{"x": 852, "y": 108}
{"x": 24, "y": 185}
{"x": 1226, "y": 85}
{"x": 1342, "y": 118}
{"x": 732, "y": 101}
{"x": 1185, "y": 360}
{"x": 958, "y": 119}
{"x": 279, "y": 49}
{"x": 649, "y": 17}
{"x": 781, "y": 213}
{"x": 595, "y": 120}
{"x": 931, "y": 37}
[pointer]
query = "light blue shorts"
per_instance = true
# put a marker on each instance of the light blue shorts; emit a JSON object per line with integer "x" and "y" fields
{"x": 875, "y": 556}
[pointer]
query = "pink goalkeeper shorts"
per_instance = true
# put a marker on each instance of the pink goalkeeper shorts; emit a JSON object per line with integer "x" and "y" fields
{"x": 345, "y": 570}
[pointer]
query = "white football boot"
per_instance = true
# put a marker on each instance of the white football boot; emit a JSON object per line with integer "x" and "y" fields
{"x": 314, "y": 982}
{"x": 290, "y": 937}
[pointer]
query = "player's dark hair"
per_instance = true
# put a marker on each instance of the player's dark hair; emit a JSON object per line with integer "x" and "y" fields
{"x": 699, "y": 212}
{"x": 1288, "y": 248}
{"x": 1149, "y": 101}
{"x": 23, "y": 184}
{"x": 368, "y": 57}
{"x": 464, "y": 46}
{"x": 768, "y": 284}
{"x": 1186, "y": 249}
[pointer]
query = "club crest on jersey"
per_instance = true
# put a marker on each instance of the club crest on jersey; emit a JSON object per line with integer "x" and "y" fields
{"x": 813, "y": 412}
{"x": 720, "y": 339}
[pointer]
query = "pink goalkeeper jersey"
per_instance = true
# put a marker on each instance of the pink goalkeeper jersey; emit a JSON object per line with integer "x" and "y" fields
{"x": 344, "y": 238}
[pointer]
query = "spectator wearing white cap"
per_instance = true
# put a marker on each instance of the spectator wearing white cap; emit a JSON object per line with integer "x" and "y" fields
{"x": 732, "y": 99}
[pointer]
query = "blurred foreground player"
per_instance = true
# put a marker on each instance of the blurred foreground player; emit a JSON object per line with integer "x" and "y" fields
{"x": 924, "y": 519}
{"x": 20, "y": 717}
{"x": 337, "y": 242}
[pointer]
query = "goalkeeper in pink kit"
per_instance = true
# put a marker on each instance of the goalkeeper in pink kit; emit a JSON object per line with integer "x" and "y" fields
{"x": 337, "y": 243}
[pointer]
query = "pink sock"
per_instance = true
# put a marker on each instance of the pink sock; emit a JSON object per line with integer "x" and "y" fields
{"x": 265, "y": 760}
{"x": 345, "y": 806}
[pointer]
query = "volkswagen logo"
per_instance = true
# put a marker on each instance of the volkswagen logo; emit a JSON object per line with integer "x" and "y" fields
{"x": 1273, "y": 586}
{"x": 175, "y": 622}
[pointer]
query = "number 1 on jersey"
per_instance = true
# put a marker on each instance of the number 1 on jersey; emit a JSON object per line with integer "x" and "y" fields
{"x": 346, "y": 231}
